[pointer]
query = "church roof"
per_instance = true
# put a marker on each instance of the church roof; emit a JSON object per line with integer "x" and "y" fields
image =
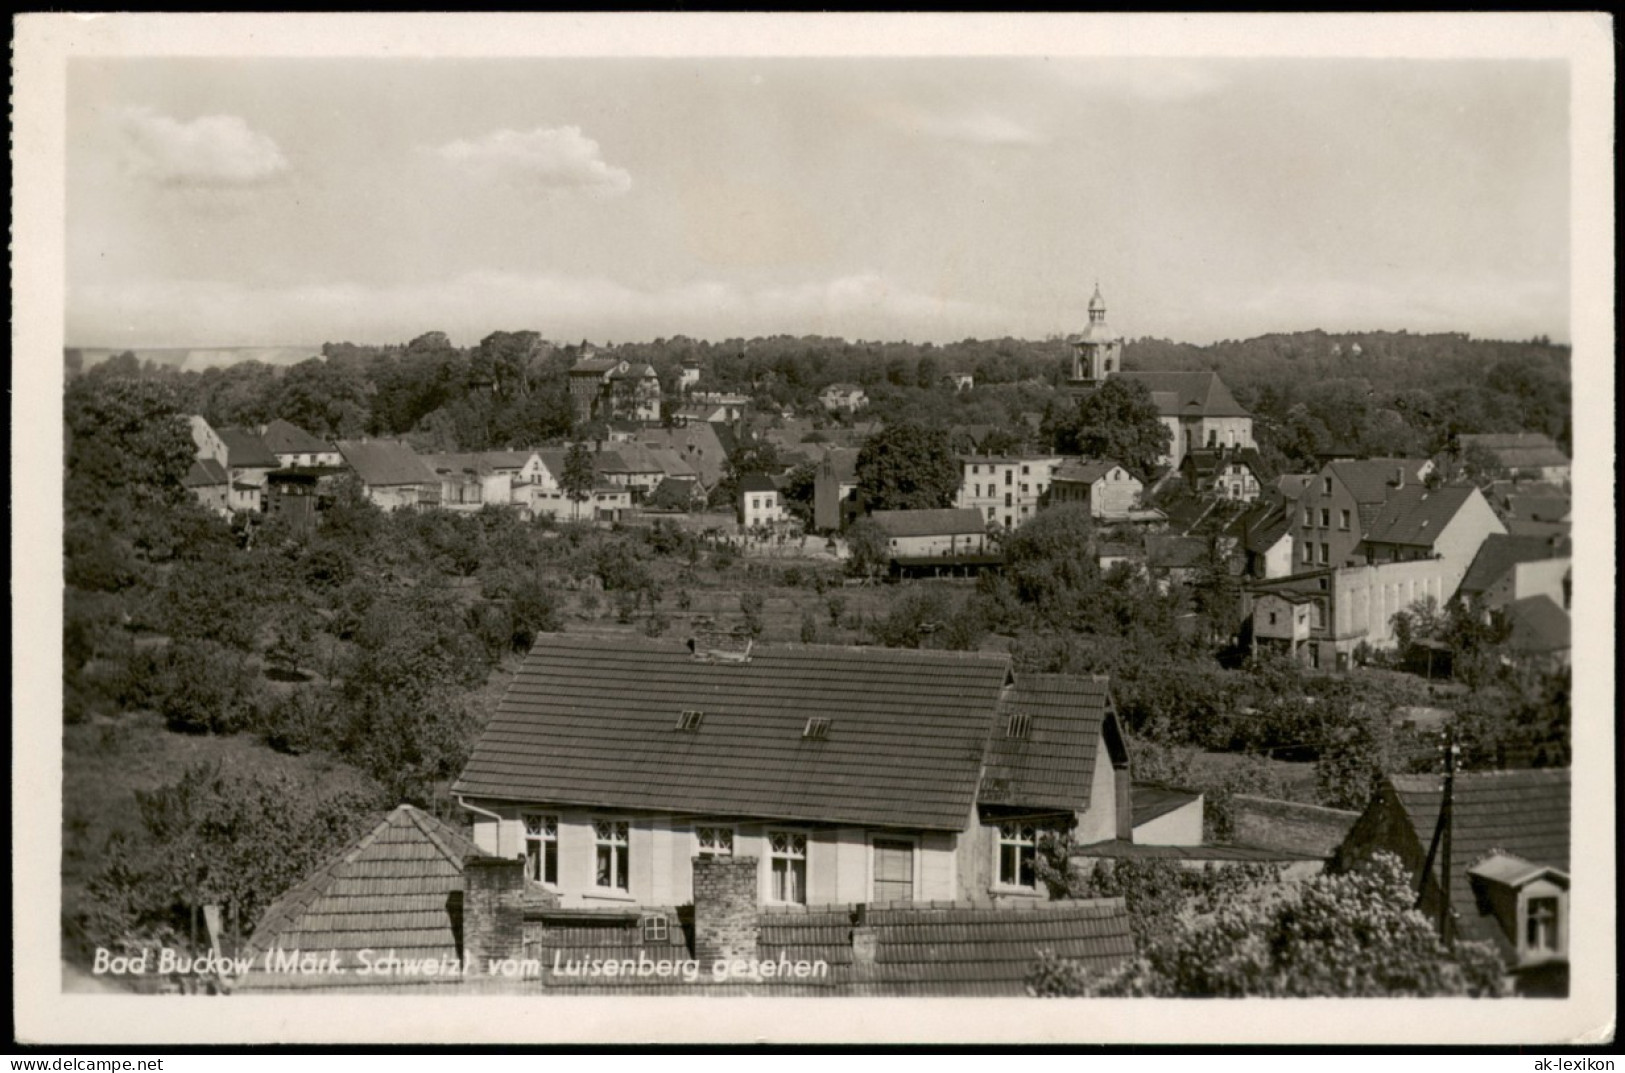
{"x": 1189, "y": 394}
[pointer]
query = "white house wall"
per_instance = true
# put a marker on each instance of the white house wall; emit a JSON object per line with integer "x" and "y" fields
{"x": 1181, "y": 827}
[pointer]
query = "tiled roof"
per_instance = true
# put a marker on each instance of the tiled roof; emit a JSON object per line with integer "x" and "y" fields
{"x": 584, "y": 723}
{"x": 1084, "y": 470}
{"x": 924, "y": 949}
{"x": 695, "y": 443}
{"x": 1189, "y": 394}
{"x": 1538, "y": 625}
{"x": 671, "y": 463}
{"x": 1500, "y": 552}
{"x": 594, "y": 366}
{"x": 1263, "y": 526}
{"x": 1174, "y": 552}
{"x": 506, "y": 459}
{"x": 1416, "y": 515}
{"x": 475, "y": 464}
{"x": 1154, "y": 799}
{"x": 1291, "y": 485}
{"x": 1521, "y": 527}
{"x": 1205, "y": 463}
{"x": 1540, "y": 508}
{"x": 1370, "y": 480}
{"x": 609, "y": 462}
{"x": 944, "y": 522}
{"x": 205, "y": 473}
{"x": 391, "y": 889}
{"x": 1524, "y": 813}
{"x": 757, "y": 482}
{"x": 638, "y": 458}
{"x": 1518, "y": 450}
{"x": 383, "y": 463}
{"x": 1053, "y": 766}
{"x": 283, "y": 438}
{"x": 636, "y": 370}
{"x": 245, "y": 449}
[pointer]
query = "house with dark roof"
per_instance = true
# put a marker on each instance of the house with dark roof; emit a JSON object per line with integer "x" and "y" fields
{"x": 944, "y": 533}
{"x": 209, "y": 484}
{"x": 1509, "y": 568}
{"x": 1505, "y": 880}
{"x": 845, "y": 775}
{"x": 1334, "y": 509}
{"x": 1264, "y": 534}
{"x": 1539, "y": 515}
{"x": 1110, "y": 490}
{"x": 293, "y": 446}
{"x": 1198, "y": 410}
{"x": 843, "y": 398}
{"x": 1539, "y": 630}
{"x": 391, "y": 473}
{"x": 249, "y": 463}
{"x": 1417, "y": 522}
{"x": 761, "y": 504}
{"x": 696, "y": 444}
{"x": 1522, "y": 454}
{"x": 1222, "y": 472}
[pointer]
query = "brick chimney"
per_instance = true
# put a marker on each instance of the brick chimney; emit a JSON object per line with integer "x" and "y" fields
{"x": 726, "y": 925}
{"x": 493, "y": 911}
{"x": 865, "y": 940}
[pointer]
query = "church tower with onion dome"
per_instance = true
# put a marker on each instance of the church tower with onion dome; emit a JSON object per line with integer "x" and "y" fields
{"x": 1097, "y": 352}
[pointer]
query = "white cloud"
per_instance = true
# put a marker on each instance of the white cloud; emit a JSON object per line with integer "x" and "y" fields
{"x": 213, "y": 150}
{"x": 979, "y": 128}
{"x": 556, "y": 158}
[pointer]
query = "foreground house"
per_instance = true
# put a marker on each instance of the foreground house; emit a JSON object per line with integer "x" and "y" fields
{"x": 249, "y": 462}
{"x": 761, "y": 504}
{"x": 391, "y": 474}
{"x": 1507, "y": 879}
{"x": 924, "y": 534}
{"x": 1110, "y": 490}
{"x": 847, "y": 775}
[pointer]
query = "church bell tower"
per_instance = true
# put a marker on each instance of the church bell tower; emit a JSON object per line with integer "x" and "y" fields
{"x": 1097, "y": 352}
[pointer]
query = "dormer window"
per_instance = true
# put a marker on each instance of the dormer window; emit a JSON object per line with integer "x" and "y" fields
{"x": 816, "y": 729}
{"x": 690, "y": 719}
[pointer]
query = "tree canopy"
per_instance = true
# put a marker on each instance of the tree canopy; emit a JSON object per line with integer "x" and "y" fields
{"x": 1118, "y": 421}
{"x": 907, "y": 467}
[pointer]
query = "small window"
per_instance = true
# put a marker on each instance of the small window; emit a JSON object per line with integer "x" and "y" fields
{"x": 690, "y": 719}
{"x": 1326, "y": 486}
{"x": 1025, "y": 471}
{"x": 1308, "y": 520}
{"x": 1308, "y": 553}
{"x": 1343, "y": 520}
{"x": 787, "y": 863}
{"x": 1325, "y": 554}
{"x": 1540, "y": 926}
{"x": 611, "y": 849}
{"x": 1009, "y": 476}
{"x": 1325, "y": 518}
{"x": 1021, "y": 725}
{"x": 816, "y": 729}
{"x": 1018, "y": 848}
{"x": 542, "y": 848}
{"x": 714, "y": 841}
{"x": 655, "y": 928}
{"x": 1272, "y": 618}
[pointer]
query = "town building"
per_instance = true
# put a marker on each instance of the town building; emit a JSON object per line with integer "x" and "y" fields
{"x": 1222, "y": 473}
{"x": 844, "y": 775}
{"x": 293, "y": 446}
{"x": 922, "y": 534}
{"x": 249, "y": 463}
{"x": 761, "y": 504}
{"x": 1539, "y": 631}
{"x": 1005, "y": 489}
{"x": 843, "y": 398}
{"x": 1097, "y": 351}
{"x": 608, "y": 388}
{"x": 1416, "y": 522}
{"x": 835, "y": 490}
{"x": 1334, "y": 509}
{"x": 470, "y": 482}
{"x": 1493, "y": 579}
{"x": 1506, "y": 880}
{"x": 209, "y": 484}
{"x": 1198, "y": 411}
{"x": 207, "y": 441}
{"x": 1110, "y": 490}
{"x": 391, "y": 474}
{"x": 1522, "y": 454}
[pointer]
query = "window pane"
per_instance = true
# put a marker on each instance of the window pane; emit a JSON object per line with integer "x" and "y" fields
{"x": 605, "y": 865}
{"x": 622, "y": 872}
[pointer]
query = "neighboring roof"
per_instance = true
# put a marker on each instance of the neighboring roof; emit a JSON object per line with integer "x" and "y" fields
{"x": 1154, "y": 799}
{"x": 1416, "y": 515}
{"x": 473, "y": 464}
{"x": 1500, "y": 552}
{"x": 1510, "y": 870}
{"x": 385, "y": 462}
{"x": 594, "y": 366}
{"x": 245, "y": 450}
{"x": 584, "y": 723}
{"x": 285, "y": 438}
{"x": 1174, "y": 552}
{"x": 921, "y": 949}
{"x": 609, "y": 462}
{"x": 950, "y": 521}
{"x": 1264, "y": 526}
{"x": 392, "y": 889}
{"x": 1524, "y": 813}
{"x": 671, "y": 463}
{"x": 1189, "y": 394}
{"x": 639, "y": 458}
{"x": 1540, "y": 508}
{"x": 1538, "y": 625}
{"x": 1519, "y": 450}
{"x": 1119, "y": 849}
{"x": 1205, "y": 462}
{"x": 635, "y": 370}
{"x": 1053, "y": 766}
{"x": 1291, "y": 485}
{"x": 1084, "y": 470}
{"x": 1543, "y": 530}
{"x": 507, "y": 459}
{"x": 1370, "y": 480}
{"x": 843, "y": 462}
{"x": 757, "y": 482}
{"x": 205, "y": 473}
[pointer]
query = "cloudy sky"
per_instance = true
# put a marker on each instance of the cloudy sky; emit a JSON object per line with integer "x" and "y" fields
{"x": 280, "y": 201}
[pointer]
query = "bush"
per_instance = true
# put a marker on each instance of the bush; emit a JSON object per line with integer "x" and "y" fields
{"x": 300, "y": 721}
{"x": 197, "y": 686}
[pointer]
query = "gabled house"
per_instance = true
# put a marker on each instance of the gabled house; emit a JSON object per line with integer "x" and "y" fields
{"x": 843, "y": 775}
{"x": 1539, "y": 515}
{"x": 845, "y": 398}
{"x": 1198, "y": 411}
{"x": 1222, "y": 472}
{"x": 249, "y": 462}
{"x": 918, "y": 534}
{"x": 1265, "y": 535}
{"x": 293, "y": 446}
{"x": 209, "y": 484}
{"x": 696, "y": 444}
{"x": 207, "y": 441}
{"x": 1523, "y": 454}
{"x": 469, "y": 482}
{"x": 1415, "y": 522}
{"x": 1110, "y": 490}
{"x": 1540, "y": 630}
{"x": 634, "y": 391}
{"x": 1345, "y": 497}
{"x": 1507, "y": 878}
{"x": 1282, "y": 621}
{"x": 391, "y": 474}
{"x": 761, "y": 504}
{"x": 1495, "y": 577}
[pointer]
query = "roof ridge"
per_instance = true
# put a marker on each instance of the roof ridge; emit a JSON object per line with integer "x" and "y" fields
{"x": 426, "y": 824}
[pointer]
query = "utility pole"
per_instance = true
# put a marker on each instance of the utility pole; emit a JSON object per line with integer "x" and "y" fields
{"x": 1446, "y": 822}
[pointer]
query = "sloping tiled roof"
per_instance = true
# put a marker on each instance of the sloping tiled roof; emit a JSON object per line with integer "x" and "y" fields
{"x": 924, "y": 949}
{"x": 1524, "y": 813}
{"x": 1291, "y": 485}
{"x": 1084, "y": 470}
{"x": 757, "y": 482}
{"x": 1540, "y": 508}
{"x": 1121, "y": 849}
{"x": 1538, "y": 625}
{"x": 1416, "y": 515}
{"x": 1189, "y": 394}
{"x": 385, "y": 462}
{"x": 470, "y": 463}
{"x": 388, "y": 890}
{"x": 594, "y": 366}
{"x": 506, "y": 459}
{"x": 944, "y": 522}
{"x": 205, "y": 473}
{"x": 1053, "y": 766}
{"x": 1263, "y": 526}
{"x": 1174, "y": 552}
{"x": 1500, "y": 552}
{"x": 1518, "y": 450}
{"x": 245, "y": 449}
{"x": 1370, "y": 480}
{"x": 584, "y": 723}
{"x": 1154, "y": 799}
{"x": 695, "y": 443}
{"x": 284, "y": 437}
{"x": 671, "y": 463}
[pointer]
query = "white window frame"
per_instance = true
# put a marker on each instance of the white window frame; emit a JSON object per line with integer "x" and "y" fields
{"x": 1001, "y": 840}
{"x": 794, "y": 839}
{"x": 1541, "y": 891}
{"x": 546, "y": 835}
{"x": 715, "y": 830}
{"x": 616, "y": 835}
